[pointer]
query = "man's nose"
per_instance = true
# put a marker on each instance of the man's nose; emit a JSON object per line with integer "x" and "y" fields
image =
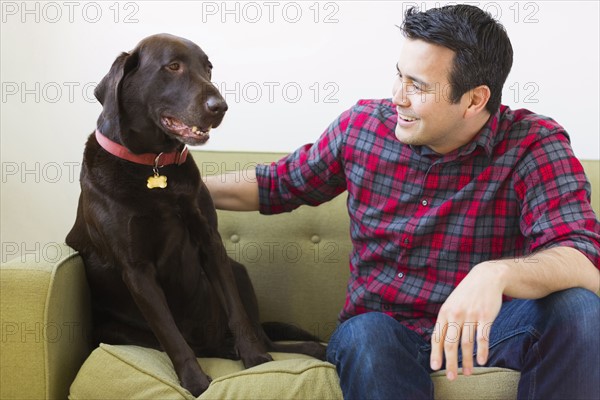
{"x": 399, "y": 95}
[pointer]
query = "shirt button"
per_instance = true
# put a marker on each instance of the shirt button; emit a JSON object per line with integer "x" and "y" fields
{"x": 315, "y": 239}
{"x": 424, "y": 202}
{"x": 234, "y": 238}
{"x": 400, "y": 275}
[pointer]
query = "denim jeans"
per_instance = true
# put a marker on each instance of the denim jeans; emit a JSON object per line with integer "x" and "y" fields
{"x": 554, "y": 342}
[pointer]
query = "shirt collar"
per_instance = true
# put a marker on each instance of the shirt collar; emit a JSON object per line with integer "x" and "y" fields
{"x": 486, "y": 138}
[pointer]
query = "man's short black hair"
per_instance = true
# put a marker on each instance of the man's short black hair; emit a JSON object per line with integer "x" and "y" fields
{"x": 483, "y": 53}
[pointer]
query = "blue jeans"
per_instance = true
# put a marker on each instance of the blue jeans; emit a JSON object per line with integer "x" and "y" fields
{"x": 554, "y": 342}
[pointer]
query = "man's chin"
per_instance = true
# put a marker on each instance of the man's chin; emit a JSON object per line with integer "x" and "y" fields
{"x": 403, "y": 136}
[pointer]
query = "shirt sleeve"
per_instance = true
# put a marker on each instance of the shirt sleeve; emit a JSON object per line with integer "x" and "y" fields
{"x": 311, "y": 175}
{"x": 556, "y": 198}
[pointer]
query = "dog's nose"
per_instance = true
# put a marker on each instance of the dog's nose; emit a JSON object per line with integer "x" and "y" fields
{"x": 216, "y": 105}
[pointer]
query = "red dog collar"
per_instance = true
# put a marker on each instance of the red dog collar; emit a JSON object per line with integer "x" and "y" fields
{"x": 152, "y": 159}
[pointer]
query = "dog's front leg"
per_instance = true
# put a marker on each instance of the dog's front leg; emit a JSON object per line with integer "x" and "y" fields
{"x": 150, "y": 299}
{"x": 139, "y": 275}
{"x": 251, "y": 348}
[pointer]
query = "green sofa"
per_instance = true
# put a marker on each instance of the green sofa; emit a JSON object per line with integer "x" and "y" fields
{"x": 299, "y": 265}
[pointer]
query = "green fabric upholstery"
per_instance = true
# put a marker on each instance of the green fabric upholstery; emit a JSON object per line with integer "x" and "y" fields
{"x": 298, "y": 263}
{"x": 44, "y": 307}
{"x": 139, "y": 373}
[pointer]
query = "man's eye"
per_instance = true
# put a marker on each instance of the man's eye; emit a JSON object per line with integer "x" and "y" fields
{"x": 417, "y": 87}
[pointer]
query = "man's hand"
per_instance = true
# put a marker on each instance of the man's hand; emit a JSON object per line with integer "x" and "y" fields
{"x": 469, "y": 311}
{"x": 466, "y": 316}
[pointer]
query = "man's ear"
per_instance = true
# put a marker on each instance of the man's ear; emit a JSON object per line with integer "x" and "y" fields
{"x": 478, "y": 99}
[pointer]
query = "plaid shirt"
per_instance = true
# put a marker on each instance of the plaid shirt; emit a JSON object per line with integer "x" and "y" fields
{"x": 420, "y": 221}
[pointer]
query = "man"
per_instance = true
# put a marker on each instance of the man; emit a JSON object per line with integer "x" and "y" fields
{"x": 457, "y": 205}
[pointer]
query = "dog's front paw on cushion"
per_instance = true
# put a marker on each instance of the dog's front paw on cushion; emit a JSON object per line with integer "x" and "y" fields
{"x": 132, "y": 372}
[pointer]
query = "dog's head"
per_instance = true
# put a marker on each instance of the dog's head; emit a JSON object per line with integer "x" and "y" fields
{"x": 160, "y": 95}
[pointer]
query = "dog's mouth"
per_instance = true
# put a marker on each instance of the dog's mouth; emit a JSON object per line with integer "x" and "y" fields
{"x": 194, "y": 135}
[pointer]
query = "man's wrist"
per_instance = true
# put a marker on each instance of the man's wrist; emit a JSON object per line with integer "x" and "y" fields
{"x": 499, "y": 272}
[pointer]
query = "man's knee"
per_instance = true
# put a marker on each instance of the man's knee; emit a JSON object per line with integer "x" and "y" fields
{"x": 576, "y": 313}
{"x": 576, "y": 303}
{"x": 376, "y": 356}
{"x": 361, "y": 332}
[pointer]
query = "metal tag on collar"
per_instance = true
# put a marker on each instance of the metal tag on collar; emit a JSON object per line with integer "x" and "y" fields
{"x": 157, "y": 180}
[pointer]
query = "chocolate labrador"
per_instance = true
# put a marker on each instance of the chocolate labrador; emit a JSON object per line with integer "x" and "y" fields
{"x": 146, "y": 226}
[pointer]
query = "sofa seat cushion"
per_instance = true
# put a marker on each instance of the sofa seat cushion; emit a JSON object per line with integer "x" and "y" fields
{"x": 484, "y": 384}
{"x": 132, "y": 372}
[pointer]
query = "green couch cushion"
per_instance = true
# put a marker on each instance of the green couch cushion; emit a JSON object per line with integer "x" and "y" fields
{"x": 484, "y": 384}
{"x": 132, "y": 372}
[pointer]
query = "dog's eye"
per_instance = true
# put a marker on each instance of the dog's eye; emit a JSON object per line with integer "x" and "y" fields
{"x": 174, "y": 66}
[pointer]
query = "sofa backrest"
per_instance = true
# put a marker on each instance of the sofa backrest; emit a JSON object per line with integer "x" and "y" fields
{"x": 592, "y": 170}
{"x": 298, "y": 261}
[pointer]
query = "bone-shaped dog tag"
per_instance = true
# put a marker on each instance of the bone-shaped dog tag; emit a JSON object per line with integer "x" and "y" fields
{"x": 157, "y": 181}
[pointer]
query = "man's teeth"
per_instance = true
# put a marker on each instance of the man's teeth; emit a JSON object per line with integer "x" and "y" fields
{"x": 409, "y": 119}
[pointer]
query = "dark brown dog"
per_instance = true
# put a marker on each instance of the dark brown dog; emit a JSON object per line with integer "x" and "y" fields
{"x": 146, "y": 226}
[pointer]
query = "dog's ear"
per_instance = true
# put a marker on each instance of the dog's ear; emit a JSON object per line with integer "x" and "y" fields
{"x": 111, "y": 79}
{"x": 107, "y": 91}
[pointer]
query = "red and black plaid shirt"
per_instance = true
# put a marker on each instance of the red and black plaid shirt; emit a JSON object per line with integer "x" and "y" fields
{"x": 420, "y": 221}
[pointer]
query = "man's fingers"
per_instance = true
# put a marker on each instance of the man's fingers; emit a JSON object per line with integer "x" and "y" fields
{"x": 483, "y": 342}
{"x": 467, "y": 345}
{"x": 445, "y": 342}
{"x": 465, "y": 317}
{"x": 437, "y": 345}
{"x": 451, "y": 342}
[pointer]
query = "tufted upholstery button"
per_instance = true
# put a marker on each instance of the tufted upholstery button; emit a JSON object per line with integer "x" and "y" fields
{"x": 315, "y": 239}
{"x": 234, "y": 238}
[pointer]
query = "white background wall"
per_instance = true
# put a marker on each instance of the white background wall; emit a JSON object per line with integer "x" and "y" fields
{"x": 287, "y": 69}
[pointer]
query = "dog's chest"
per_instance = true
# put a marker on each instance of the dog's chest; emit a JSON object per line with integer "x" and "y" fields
{"x": 183, "y": 244}
{"x": 181, "y": 229}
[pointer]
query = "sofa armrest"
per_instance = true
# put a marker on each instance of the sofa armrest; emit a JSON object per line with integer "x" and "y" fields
{"x": 45, "y": 313}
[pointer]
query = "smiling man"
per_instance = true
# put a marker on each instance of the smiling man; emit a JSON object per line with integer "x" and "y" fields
{"x": 474, "y": 241}
{"x": 426, "y": 115}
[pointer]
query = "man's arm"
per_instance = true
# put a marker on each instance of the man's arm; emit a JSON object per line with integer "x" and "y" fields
{"x": 560, "y": 268}
{"x": 472, "y": 307}
{"x": 235, "y": 191}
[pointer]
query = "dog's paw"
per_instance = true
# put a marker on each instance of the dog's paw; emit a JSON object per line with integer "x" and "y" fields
{"x": 316, "y": 350}
{"x": 194, "y": 379}
{"x": 254, "y": 359}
